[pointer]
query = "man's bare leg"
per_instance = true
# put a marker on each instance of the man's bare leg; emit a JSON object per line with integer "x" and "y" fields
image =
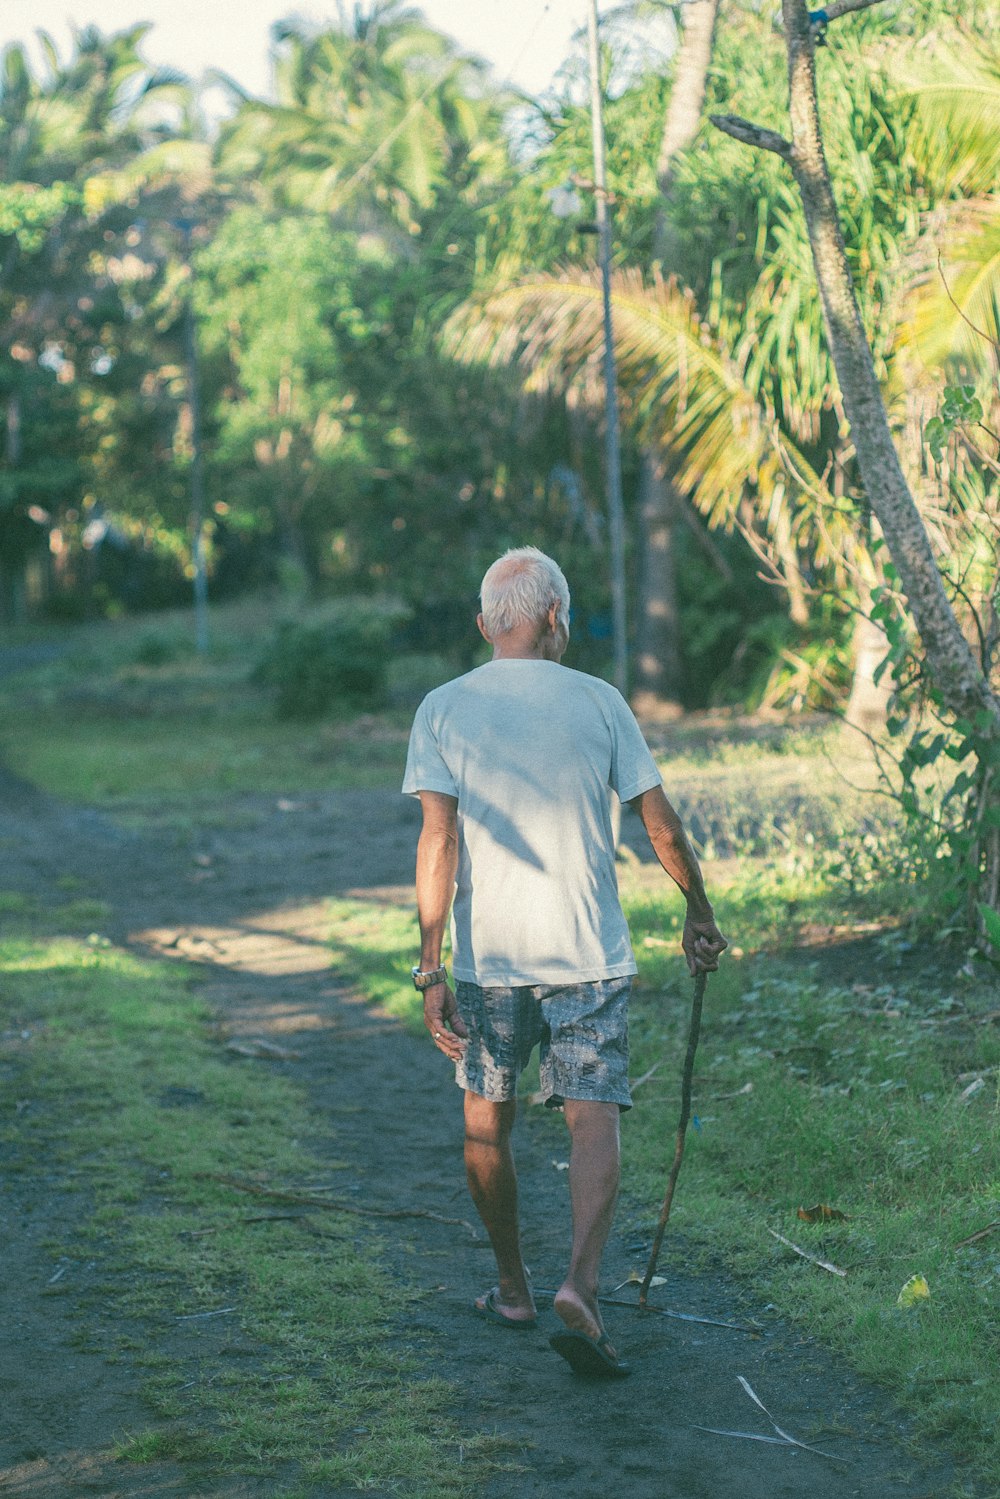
{"x": 594, "y": 1169}
{"x": 489, "y": 1168}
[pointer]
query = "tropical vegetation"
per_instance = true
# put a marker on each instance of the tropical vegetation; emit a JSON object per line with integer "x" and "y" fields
{"x": 396, "y": 347}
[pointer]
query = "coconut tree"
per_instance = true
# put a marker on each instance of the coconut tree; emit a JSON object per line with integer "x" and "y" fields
{"x": 686, "y": 394}
{"x": 374, "y": 119}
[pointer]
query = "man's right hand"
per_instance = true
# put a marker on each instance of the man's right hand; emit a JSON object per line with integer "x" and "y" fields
{"x": 702, "y": 943}
{"x": 442, "y": 1019}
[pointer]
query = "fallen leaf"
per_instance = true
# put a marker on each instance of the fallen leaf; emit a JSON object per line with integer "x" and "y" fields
{"x": 915, "y": 1290}
{"x": 636, "y": 1278}
{"x": 822, "y": 1214}
{"x": 743, "y": 1092}
{"x": 972, "y": 1089}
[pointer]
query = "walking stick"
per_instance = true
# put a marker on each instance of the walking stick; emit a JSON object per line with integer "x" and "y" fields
{"x": 701, "y": 980}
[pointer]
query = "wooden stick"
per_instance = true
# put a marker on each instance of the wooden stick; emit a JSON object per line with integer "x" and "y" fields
{"x": 693, "y": 1031}
{"x": 813, "y": 1260}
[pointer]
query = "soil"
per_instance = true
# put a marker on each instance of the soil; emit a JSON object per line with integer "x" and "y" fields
{"x": 241, "y": 893}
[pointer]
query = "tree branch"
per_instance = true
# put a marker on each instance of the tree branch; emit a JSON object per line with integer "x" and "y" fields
{"x": 749, "y": 134}
{"x": 844, "y": 8}
{"x": 980, "y": 333}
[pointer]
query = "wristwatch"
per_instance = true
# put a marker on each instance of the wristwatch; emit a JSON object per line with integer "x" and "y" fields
{"x": 426, "y": 979}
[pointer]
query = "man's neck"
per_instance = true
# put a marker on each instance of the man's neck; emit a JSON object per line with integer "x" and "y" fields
{"x": 528, "y": 646}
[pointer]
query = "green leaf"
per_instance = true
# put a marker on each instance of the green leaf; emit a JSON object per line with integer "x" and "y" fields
{"x": 991, "y": 921}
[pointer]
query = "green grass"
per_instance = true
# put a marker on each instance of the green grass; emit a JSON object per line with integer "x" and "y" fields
{"x": 812, "y": 1087}
{"x": 111, "y": 723}
{"x": 375, "y": 943}
{"x": 128, "y": 1098}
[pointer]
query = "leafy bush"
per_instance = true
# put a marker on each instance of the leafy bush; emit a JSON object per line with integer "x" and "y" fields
{"x": 338, "y": 660}
{"x": 160, "y": 650}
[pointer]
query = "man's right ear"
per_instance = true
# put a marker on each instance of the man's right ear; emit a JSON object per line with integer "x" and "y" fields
{"x": 482, "y": 629}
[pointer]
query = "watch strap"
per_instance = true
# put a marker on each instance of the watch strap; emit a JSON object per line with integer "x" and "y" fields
{"x": 427, "y": 978}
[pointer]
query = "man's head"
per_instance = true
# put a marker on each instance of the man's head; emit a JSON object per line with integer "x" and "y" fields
{"x": 525, "y": 596}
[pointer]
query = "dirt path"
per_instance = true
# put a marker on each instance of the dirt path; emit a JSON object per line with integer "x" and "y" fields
{"x": 241, "y": 893}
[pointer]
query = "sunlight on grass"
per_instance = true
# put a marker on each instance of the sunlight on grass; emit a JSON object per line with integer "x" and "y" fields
{"x": 377, "y": 945}
{"x": 104, "y": 724}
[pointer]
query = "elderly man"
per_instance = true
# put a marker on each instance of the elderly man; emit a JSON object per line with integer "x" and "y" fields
{"x": 513, "y": 764}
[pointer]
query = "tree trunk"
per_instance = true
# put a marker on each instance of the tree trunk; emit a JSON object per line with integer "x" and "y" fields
{"x": 658, "y": 674}
{"x": 687, "y": 97}
{"x": 952, "y": 667}
{"x": 869, "y": 700}
{"x": 658, "y": 665}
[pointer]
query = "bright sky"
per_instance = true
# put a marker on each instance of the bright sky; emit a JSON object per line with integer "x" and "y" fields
{"x": 524, "y": 40}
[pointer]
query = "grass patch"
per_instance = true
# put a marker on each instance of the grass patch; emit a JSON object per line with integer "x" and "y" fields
{"x": 113, "y": 720}
{"x": 113, "y": 1078}
{"x": 853, "y": 1092}
{"x": 375, "y": 943}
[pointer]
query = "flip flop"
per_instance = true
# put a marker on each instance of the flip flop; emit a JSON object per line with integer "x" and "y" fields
{"x": 492, "y": 1313}
{"x": 589, "y": 1356}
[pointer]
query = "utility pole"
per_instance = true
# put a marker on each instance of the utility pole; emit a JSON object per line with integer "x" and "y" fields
{"x": 612, "y": 439}
{"x": 197, "y": 485}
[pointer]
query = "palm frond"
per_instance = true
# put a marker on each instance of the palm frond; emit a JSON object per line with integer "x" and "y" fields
{"x": 186, "y": 162}
{"x": 956, "y": 91}
{"x": 681, "y": 390}
{"x": 956, "y": 302}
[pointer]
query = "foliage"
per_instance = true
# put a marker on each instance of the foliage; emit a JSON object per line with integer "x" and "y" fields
{"x": 959, "y": 405}
{"x": 945, "y": 779}
{"x": 338, "y": 663}
{"x": 333, "y": 234}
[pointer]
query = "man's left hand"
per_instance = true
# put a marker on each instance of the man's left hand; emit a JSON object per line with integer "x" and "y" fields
{"x": 445, "y": 1024}
{"x": 702, "y": 943}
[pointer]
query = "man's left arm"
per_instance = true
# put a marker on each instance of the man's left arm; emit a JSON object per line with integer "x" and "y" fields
{"x": 702, "y": 941}
{"x": 437, "y": 866}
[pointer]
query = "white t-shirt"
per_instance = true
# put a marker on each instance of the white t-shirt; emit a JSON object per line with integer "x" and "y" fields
{"x": 530, "y": 749}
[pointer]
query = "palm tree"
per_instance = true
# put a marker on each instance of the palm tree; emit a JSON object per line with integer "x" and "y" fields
{"x": 686, "y": 394}
{"x": 373, "y": 120}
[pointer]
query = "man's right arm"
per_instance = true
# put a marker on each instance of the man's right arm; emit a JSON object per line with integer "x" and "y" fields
{"x": 702, "y": 941}
{"x": 437, "y": 865}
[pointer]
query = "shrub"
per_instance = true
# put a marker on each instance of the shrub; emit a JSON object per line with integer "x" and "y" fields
{"x": 339, "y": 660}
{"x": 411, "y": 676}
{"x": 159, "y": 650}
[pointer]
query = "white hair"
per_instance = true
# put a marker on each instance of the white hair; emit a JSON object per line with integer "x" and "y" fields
{"x": 520, "y": 588}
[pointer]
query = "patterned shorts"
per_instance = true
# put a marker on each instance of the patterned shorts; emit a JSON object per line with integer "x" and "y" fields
{"x": 581, "y": 1031}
